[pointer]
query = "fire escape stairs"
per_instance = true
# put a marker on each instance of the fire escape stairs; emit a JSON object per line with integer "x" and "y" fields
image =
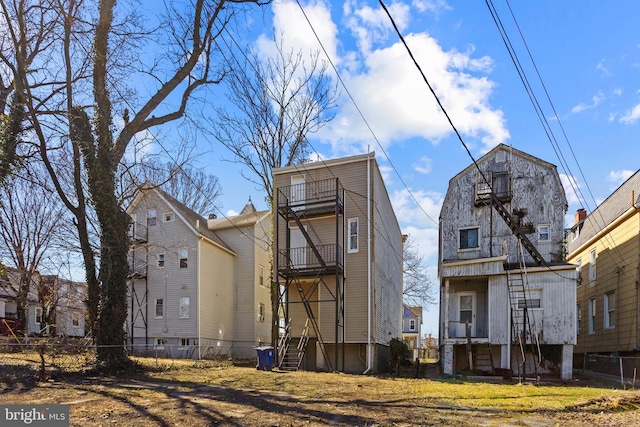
{"x": 311, "y": 318}
{"x": 517, "y": 231}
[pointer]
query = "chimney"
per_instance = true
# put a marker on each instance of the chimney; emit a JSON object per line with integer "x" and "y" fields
{"x": 581, "y": 214}
{"x": 213, "y": 216}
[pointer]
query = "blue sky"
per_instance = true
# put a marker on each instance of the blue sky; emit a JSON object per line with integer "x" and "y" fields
{"x": 587, "y": 52}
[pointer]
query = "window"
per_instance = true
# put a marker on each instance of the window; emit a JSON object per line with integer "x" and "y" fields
{"x": 578, "y": 319}
{"x": 152, "y": 216}
{"x": 38, "y": 315}
{"x": 184, "y": 343}
{"x": 159, "y": 308}
{"x": 500, "y": 184}
{"x": 184, "y": 307}
{"x": 579, "y": 271}
{"x": 260, "y": 312}
{"x": 543, "y": 233}
{"x": 592, "y": 316}
{"x": 184, "y": 257}
{"x": 469, "y": 238}
{"x": 160, "y": 342}
{"x": 530, "y": 299}
{"x": 412, "y": 325}
{"x": 169, "y": 217}
{"x": 353, "y": 235}
{"x": 592, "y": 265}
{"x": 261, "y": 276}
{"x": 75, "y": 319}
{"x": 610, "y": 310}
{"x": 160, "y": 260}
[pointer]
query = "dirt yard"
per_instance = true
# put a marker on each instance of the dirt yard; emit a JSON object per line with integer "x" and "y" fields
{"x": 198, "y": 394}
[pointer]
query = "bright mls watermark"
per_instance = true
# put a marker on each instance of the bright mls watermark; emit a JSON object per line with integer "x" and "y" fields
{"x": 34, "y": 415}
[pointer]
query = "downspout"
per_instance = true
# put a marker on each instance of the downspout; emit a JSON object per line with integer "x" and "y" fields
{"x": 369, "y": 349}
{"x": 198, "y": 285}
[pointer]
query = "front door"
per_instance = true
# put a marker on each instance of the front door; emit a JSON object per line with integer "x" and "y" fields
{"x": 466, "y": 314}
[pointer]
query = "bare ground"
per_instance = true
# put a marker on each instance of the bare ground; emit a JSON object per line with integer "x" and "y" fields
{"x": 236, "y": 396}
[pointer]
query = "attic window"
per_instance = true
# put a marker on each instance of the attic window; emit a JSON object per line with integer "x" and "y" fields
{"x": 169, "y": 217}
{"x": 152, "y": 216}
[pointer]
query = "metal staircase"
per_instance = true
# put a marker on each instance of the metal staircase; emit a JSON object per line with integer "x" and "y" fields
{"x": 304, "y": 271}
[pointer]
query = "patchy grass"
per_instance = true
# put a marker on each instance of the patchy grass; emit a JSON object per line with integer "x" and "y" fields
{"x": 194, "y": 393}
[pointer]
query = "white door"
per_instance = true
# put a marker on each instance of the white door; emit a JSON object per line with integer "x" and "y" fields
{"x": 466, "y": 313}
{"x": 298, "y": 191}
{"x": 298, "y": 248}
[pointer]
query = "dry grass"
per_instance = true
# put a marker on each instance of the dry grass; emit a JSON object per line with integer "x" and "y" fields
{"x": 168, "y": 393}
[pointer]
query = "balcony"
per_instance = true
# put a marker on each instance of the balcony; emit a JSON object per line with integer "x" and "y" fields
{"x": 137, "y": 233}
{"x": 304, "y": 261}
{"x": 311, "y": 198}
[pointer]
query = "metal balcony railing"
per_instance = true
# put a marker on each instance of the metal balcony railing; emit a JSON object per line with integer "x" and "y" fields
{"x": 304, "y": 258}
{"x": 310, "y": 193}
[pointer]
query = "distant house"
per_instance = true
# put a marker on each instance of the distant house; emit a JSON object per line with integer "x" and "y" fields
{"x": 60, "y": 301}
{"x": 249, "y": 235}
{"x": 190, "y": 293}
{"x": 605, "y": 247}
{"x": 338, "y": 263}
{"x": 411, "y": 327}
{"x": 507, "y": 297}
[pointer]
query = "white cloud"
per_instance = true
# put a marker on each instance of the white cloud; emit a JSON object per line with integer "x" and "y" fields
{"x": 595, "y": 101}
{"x": 618, "y": 177}
{"x": 603, "y": 68}
{"x": 617, "y": 91}
{"x": 371, "y": 25}
{"x": 298, "y": 36}
{"x": 425, "y": 242}
{"x": 387, "y": 173}
{"x": 408, "y": 212}
{"x": 434, "y": 6}
{"x": 423, "y": 165}
{"x": 397, "y": 104}
{"x": 231, "y": 212}
{"x": 570, "y": 185}
{"x": 631, "y": 116}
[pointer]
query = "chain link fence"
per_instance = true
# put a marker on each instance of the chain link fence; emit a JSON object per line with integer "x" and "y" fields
{"x": 625, "y": 369}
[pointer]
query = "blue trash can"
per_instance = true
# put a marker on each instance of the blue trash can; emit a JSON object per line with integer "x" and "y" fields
{"x": 265, "y": 358}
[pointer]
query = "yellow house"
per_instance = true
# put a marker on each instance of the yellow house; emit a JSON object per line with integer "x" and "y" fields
{"x": 605, "y": 246}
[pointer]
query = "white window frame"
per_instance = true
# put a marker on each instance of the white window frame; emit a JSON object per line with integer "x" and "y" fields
{"x": 261, "y": 275}
{"x": 592, "y": 316}
{"x": 185, "y": 307}
{"x": 468, "y": 248}
{"x": 75, "y": 319}
{"x": 159, "y": 343}
{"x": 184, "y": 344}
{"x": 610, "y": 310}
{"x": 353, "y": 238}
{"x": 533, "y": 298}
{"x": 593, "y": 255}
{"x": 412, "y": 324}
{"x": 541, "y": 233}
{"x": 169, "y": 217}
{"x": 37, "y": 315}
{"x": 578, "y": 320}
{"x": 158, "y": 303}
{"x": 183, "y": 255}
{"x": 261, "y": 311}
{"x": 579, "y": 272}
{"x": 152, "y": 217}
{"x": 161, "y": 260}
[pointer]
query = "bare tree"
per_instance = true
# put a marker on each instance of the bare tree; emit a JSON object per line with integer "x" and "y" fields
{"x": 196, "y": 189}
{"x": 418, "y": 290}
{"x": 277, "y": 104}
{"x": 28, "y": 228}
{"x": 84, "y": 58}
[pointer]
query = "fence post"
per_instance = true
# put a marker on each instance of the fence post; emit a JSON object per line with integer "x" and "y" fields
{"x": 621, "y": 373}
